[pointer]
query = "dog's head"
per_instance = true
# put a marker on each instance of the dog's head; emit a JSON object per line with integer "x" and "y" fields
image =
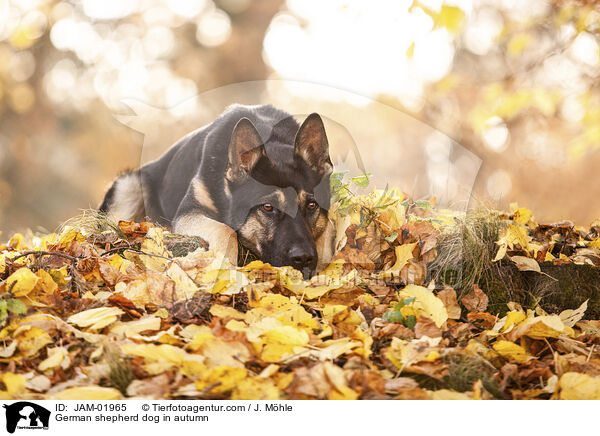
{"x": 280, "y": 190}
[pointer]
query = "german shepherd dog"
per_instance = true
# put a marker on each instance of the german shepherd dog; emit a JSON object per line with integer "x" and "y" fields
{"x": 253, "y": 176}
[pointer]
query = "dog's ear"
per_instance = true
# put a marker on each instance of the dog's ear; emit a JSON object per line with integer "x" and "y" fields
{"x": 311, "y": 144}
{"x": 245, "y": 149}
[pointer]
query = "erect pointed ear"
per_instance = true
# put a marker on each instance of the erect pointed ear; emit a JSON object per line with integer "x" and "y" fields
{"x": 245, "y": 149}
{"x": 311, "y": 144}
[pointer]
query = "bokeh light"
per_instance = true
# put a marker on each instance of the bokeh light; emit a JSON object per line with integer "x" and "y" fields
{"x": 514, "y": 82}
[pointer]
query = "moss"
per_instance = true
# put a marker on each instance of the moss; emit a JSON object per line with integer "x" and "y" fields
{"x": 182, "y": 245}
{"x": 464, "y": 370}
{"x": 465, "y": 258}
{"x": 567, "y": 286}
{"x": 120, "y": 373}
{"x": 465, "y": 255}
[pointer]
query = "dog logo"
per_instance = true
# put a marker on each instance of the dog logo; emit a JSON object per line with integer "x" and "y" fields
{"x": 26, "y": 415}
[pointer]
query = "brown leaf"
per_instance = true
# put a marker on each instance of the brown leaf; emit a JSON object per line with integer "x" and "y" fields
{"x": 368, "y": 383}
{"x": 109, "y": 274}
{"x": 476, "y": 300}
{"x": 125, "y": 304}
{"x": 426, "y": 327}
{"x": 400, "y": 384}
{"x": 152, "y": 388}
{"x": 485, "y": 319}
{"x": 448, "y": 297}
{"x": 436, "y": 369}
{"x": 393, "y": 329}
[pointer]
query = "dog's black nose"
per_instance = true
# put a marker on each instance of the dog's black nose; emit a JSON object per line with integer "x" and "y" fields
{"x": 302, "y": 259}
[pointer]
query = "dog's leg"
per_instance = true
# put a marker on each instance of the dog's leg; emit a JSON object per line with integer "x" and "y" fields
{"x": 219, "y": 236}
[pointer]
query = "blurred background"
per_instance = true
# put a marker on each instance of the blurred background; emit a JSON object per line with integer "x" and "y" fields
{"x": 501, "y": 96}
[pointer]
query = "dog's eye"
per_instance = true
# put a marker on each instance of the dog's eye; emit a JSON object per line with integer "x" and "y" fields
{"x": 267, "y": 207}
{"x": 312, "y": 205}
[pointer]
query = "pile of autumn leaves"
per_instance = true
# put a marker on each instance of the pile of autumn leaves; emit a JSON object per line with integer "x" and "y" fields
{"x": 114, "y": 315}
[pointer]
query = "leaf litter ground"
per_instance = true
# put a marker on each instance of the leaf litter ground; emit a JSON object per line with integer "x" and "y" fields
{"x": 418, "y": 303}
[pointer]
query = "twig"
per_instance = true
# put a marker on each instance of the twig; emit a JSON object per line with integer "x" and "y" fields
{"x": 73, "y": 260}
{"x": 47, "y": 253}
{"x": 116, "y": 249}
{"x": 590, "y": 354}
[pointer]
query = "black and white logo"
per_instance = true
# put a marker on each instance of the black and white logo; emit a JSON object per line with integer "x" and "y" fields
{"x": 24, "y": 415}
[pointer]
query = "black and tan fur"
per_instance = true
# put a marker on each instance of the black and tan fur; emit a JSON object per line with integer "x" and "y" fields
{"x": 252, "y": 175}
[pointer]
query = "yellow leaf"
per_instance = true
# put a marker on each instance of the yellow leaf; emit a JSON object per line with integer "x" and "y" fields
{"x": 540, "y": 327}
{"x": 60, "y": 276}
{"x": 255, "y": 388}
{"x": 160, "y": 358}
{"x": 526, "y": 263}
{"x": 343, "y": 393}
{"x": 511, "y": 351}
{"x": 88, "y": 393}
{"x": 68, "y": 235}
{"x": 273, "y": 339}
{"x": 570, "y": 317}
{"x": 221, "y": 379}
{"x": 154, "y": 244}
{"x": 226, "y": 312}
{"x": 427, "y": 302}
{"x": 14, "y": 383}
{"x": 334, "y": 348}
{"x": 286, "y": 335}
{"x": 595, "y": 243}
{"x": 185, "y": 288}
{"x": 224, "y": 281}
{"x": 517, "y": 235}
{"x": 509, "y": 322}
{"x": 21, "y": 282}
{"x": 403, "y": 353}
{"x": 31, "y": 340}
{"x": 403, "y": 255}
{"x": 330, "y": 310}
{"x": 46, "y": 283}
{"x": 58, "y": 356}
{"x": 133, "y": 328}
{"x": 334, "y": 269}
{"x": 445, "y": 394}
{"x": 576, "y": 386}
{"x": 501, "y": 252}
{"x": 96, "y": 319}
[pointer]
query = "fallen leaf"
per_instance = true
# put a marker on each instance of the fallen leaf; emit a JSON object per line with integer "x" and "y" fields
{"x": 448, "y": 297}
{"x": 96, "y": 319}
{"x": 14, "y": 384}
{"x": 476, "y": 300}
{"x": 426, "y": 301}
{"x": 526, "y": 263}
{"x": 511, "y": 351}
{"x": 21, "y": 282}
{"x": 57, "y": 356}
{"x": 87, "y": 393}
{"x": 426, "y": 327}
{"x": 576, "y": 386}
{"x": 570, "y": 317}
{"x": 445, "y": 394}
